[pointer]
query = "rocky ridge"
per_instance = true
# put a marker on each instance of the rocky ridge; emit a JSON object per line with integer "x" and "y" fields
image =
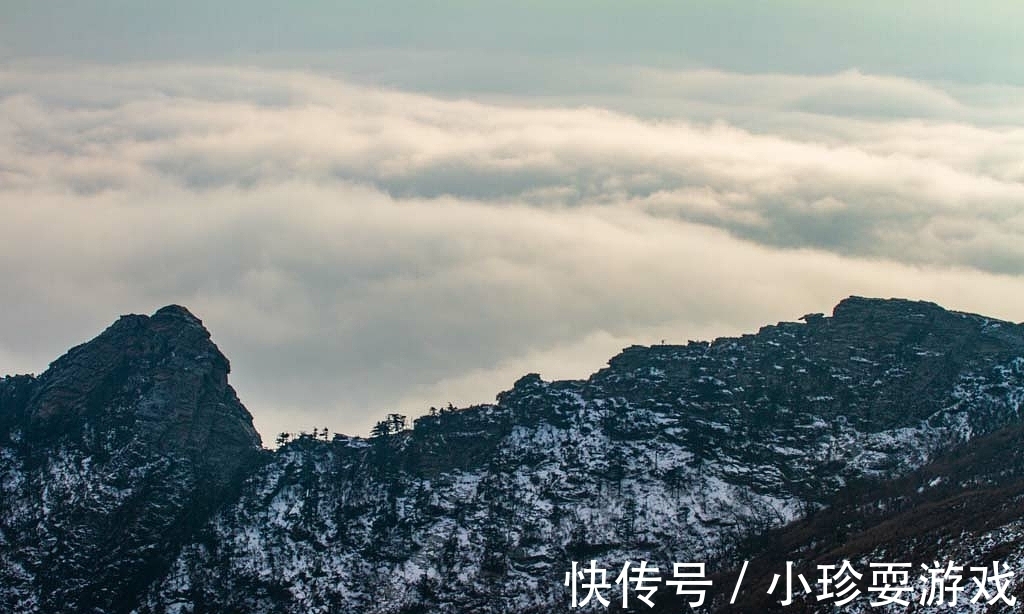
{"x": 715, "y": 452}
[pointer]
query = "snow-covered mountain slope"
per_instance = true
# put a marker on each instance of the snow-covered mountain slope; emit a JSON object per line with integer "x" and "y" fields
{"x": 670, "y": 454}
{"x": 966, "y": 507}
{"x": 111, "y": 459}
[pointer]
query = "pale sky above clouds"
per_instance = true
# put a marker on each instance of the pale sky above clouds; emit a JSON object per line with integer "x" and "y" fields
{"x": 381, "y": 210}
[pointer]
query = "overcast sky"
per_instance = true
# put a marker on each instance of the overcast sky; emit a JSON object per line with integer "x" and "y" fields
{"x": 384, "y": 206}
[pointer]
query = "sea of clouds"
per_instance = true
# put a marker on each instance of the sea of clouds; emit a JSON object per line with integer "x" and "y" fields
{"x": 372, "y": 234}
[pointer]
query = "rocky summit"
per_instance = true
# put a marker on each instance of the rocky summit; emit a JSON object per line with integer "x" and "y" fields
{"x": 114, "y": 459}
{"x": 132, "y": 480}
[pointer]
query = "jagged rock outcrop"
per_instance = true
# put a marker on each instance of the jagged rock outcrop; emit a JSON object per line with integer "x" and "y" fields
{"x": 671, "y": 453}
{"x": 111, "y": 459}
{"x": 160, "y": 379}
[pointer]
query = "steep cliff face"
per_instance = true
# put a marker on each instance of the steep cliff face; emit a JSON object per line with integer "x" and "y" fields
{"x": 703, "y": 452}
{"x": 111, "y": 459}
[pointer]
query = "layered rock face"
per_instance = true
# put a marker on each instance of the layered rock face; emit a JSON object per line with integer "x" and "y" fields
{"x": 121, "y": 459}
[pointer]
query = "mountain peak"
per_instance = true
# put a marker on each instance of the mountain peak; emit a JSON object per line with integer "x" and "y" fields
{"x": 143, "y": 439}
{"x": 177, "y": 312}
{"x": 159, "y": 378}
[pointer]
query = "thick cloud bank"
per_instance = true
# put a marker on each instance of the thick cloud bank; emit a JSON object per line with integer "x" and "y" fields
{"x": 357, "y": 250}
